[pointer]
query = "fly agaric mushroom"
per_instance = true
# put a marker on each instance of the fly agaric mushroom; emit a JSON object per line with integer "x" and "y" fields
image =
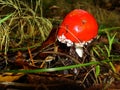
{"x": 78, "y": 28}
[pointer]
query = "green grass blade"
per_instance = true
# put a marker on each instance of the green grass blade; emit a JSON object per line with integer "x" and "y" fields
{"x": 112, "y": 66}
{"x": 111, "y": 40}
{"x": 107, "y": 49}
{"x": 96, "y": 52}
{"x": 101, "y": 31}
{"x": 97, "y": 70}
{"x": 6, "y": 18}
{"x": 58, "y": 68}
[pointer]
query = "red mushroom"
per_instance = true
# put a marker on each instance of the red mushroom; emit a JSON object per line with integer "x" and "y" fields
{"x": 78, "y": 28}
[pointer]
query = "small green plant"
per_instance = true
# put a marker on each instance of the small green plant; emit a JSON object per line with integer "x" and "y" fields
{"x": 104, "y": 51}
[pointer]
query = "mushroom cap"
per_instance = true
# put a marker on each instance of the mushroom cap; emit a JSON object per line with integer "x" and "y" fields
{"x": 78, "y": 26}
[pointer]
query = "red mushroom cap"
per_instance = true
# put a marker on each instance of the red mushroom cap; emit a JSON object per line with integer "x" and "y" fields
{"x": 78, "y": 26}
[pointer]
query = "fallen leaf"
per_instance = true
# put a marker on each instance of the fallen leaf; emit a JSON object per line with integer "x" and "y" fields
{"x": 9, "y": 77}
{"x": 117, "y": 67}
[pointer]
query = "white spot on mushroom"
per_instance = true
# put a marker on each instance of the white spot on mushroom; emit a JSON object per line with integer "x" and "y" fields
{"x": 69, "y": 43}
{"x": 63, "y": 39}
{"x": 80, "y": 44}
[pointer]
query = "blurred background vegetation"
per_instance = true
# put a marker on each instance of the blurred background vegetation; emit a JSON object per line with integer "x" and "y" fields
{"x": 106, "y": 11}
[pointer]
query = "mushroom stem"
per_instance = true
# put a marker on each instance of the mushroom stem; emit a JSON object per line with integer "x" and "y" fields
{"x": 79, "y": 51}
{"x": 79, "y": 48}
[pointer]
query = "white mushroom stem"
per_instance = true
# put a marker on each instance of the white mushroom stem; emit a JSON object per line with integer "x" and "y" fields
{"x": 79, "y": 51}
{"x": 79, "y": 48}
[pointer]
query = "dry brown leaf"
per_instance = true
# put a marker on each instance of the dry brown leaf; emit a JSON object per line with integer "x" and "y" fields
{"x": 117, "y": 67}
{"x": 9, "y": 77}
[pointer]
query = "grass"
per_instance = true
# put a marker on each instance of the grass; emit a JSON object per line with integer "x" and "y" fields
{"x": 26, "y": 27}
{"x": 4, "y": 35}
{"x": 105, "y": 51}
{"x": 58, "y": 68}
